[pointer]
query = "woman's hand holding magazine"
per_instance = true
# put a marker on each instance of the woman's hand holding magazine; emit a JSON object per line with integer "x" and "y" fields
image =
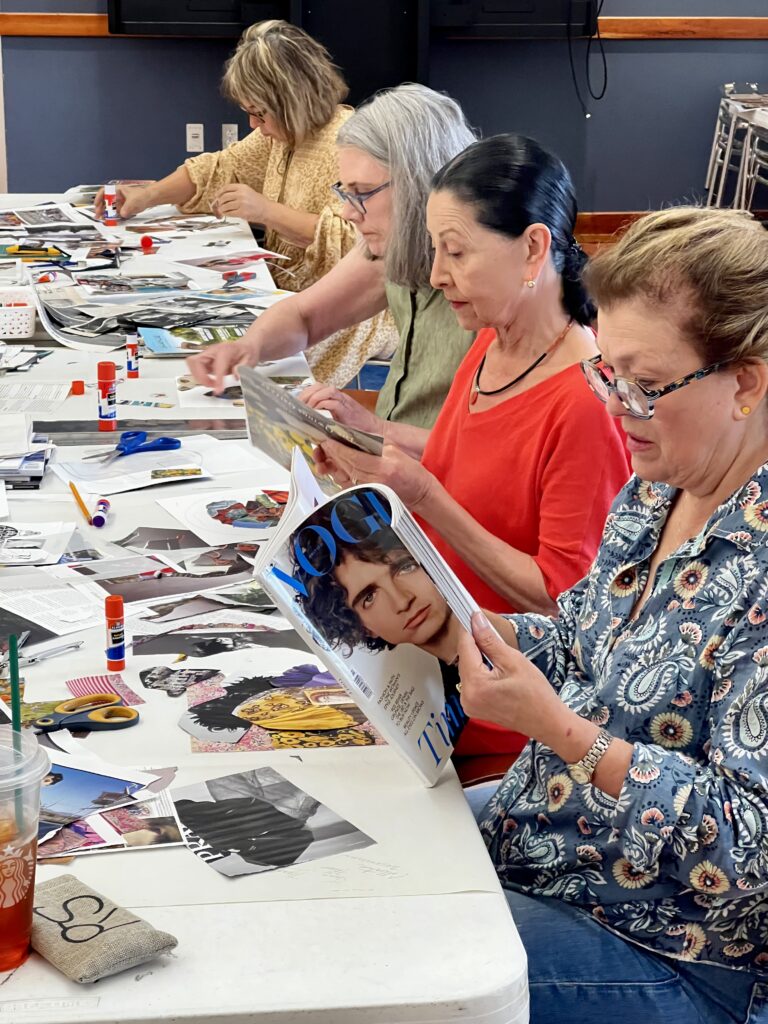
{"x": 412, "y": 483}
{"x": 341, "y": 406}
{"x": 499, "y": 684}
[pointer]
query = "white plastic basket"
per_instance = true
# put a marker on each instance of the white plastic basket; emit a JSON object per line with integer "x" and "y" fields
{"x": 17, "y": 321}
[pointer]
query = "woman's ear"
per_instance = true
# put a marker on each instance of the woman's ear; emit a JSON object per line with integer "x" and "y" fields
{"x": 751, "y": 387}
{"x": 538, "y": 239}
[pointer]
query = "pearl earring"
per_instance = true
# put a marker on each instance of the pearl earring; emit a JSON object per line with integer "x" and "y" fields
{"x": 530, "y": 283}
{"x": 746, "y": 409}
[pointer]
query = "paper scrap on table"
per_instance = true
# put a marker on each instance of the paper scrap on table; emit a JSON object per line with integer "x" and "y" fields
{"x": 258, "y": 821}
{"x": 56, "y": 604}
{"x": 131, "y": 472}
{"x": 111, "y": 682}
{"x": 213, "y": 457}
{"x": 69, "y": 792}
{"x": 155, "y": 538}
{"x": 3, "y": 501}
{"x": 196, "y": 396}
{"x": 229, "y": 517}
{"x": 148, "y": 579}
{"x": 22, "y": 396}
{"x": 34, "y": 543}
{"x": 145, "y": 824}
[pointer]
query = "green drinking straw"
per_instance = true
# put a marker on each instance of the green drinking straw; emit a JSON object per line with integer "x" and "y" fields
{"x": 13, "y": 656}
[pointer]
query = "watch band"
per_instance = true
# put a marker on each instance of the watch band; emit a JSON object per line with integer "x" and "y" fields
{"x": 583, "y": 770}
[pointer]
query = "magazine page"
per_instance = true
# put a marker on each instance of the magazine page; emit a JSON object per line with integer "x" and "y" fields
{"x": 350, "y": 581}
{"x": 277, "y": 422}
{"x": 304, "y": 495}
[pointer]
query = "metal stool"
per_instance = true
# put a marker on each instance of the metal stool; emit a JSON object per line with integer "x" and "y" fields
{"x": 753, "y": 170}
{"x": 728, "y": 139}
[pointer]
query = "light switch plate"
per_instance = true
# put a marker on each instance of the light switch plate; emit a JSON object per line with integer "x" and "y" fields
{"x": 195, "y": 138}
{"x": 229, "y": 134}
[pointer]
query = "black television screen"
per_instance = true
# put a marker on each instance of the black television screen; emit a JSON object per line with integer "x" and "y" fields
{"x": 222, "y": 18}
{"x": 513, "y": 19}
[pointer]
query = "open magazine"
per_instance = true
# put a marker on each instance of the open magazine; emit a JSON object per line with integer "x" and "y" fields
{"x": 277, "y": 422}
{"x": 356, "y": 576}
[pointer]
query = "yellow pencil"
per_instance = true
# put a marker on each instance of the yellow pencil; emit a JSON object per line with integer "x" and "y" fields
{"x": 80, "y": 503}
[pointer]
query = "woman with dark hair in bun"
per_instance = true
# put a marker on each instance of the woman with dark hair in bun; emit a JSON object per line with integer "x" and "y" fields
{"x": 514, "y": 481}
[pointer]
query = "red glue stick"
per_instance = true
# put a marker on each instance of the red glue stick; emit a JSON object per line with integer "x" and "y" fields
{"x": 107, "y": 396}
{"x": 113, "y": 607}
{"x": 132, "y": 356}
{"x": 147, "y": 244}
{"x": 110, "y": 205}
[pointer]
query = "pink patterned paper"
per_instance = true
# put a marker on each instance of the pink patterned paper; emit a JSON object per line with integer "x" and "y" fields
{"x": 84, "y": 686}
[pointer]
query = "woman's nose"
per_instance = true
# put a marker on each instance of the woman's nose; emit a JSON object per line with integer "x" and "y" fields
{"x": 351, "y": 213}
{"x": 437, "y": 277}
{"x": 614, "y": 406}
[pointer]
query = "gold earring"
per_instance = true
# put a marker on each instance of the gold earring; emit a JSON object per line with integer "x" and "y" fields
{"x": 530, "y": 283}
{"x": 746, "y": 409}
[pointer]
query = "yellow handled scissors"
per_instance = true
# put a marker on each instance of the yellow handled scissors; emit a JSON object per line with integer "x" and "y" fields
{"x": 96, "y": 711}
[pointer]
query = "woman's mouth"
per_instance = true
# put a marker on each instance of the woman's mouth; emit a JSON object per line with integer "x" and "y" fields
{"x": 637, "y": 444}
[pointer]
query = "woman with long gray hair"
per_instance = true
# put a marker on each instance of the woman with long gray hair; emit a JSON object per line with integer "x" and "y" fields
{"x": 388, "y": 152}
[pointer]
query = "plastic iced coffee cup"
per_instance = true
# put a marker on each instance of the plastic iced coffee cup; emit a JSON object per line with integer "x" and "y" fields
{"x": 23, "y": 766}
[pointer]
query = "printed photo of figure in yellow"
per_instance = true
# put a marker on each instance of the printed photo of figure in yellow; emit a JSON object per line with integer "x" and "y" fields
{"x": 303, "y": 707}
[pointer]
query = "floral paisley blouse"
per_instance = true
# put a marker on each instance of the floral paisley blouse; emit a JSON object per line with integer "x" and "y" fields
{"x": 679, "y": 862}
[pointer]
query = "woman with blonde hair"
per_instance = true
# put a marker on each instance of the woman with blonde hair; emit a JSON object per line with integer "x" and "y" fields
{"x": 280, "y": 176}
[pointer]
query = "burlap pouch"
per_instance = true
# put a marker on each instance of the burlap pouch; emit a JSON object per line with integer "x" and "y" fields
{"x": 86, "y": 936}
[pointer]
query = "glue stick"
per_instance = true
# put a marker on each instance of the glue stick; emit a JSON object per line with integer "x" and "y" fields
{"x": 113, "y": 607}
{"x": 132, "y": 356}
{"x": 107, "y": 396}
{"x": 110, "y": 205}
{"x": 99, "y": 517}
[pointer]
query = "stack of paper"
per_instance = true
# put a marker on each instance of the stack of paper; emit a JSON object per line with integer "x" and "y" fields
{"x": 23, "y": 454}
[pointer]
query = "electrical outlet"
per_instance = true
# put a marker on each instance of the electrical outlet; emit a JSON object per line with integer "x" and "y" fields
{"x": 195, "y": 138}
{"x": 229, "y": 134}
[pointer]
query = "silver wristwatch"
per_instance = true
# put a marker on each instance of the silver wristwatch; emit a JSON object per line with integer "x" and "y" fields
{"x": 583, "y": 770}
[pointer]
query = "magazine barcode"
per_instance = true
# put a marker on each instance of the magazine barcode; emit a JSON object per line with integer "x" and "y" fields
{"x": 361, "y": 684}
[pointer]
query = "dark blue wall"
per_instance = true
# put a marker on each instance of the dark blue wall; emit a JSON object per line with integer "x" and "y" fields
{"x": 646, "y": 143}
{"x": 86, "y": 110}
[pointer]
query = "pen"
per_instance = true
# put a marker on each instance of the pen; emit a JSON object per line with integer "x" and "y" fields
{"x": 80, "y": 503}
{"x": 52, "y": 652}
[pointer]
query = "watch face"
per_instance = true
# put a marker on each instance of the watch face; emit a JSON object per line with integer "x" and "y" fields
{"x": 579, "y": 773}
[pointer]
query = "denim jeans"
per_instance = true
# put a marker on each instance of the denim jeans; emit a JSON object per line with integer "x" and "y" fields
{"x": 581, "y": 973}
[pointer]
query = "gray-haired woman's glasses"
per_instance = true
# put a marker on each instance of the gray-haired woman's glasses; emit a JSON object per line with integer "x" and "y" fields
{"x": 637, "y": 400}
{"x": 357, "y": 199}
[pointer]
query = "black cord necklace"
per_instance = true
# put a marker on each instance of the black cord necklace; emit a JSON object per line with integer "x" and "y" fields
{"x": 477, "y": 390}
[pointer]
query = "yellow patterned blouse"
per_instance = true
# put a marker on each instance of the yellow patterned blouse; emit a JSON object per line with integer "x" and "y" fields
{"x": 300, "y": 178}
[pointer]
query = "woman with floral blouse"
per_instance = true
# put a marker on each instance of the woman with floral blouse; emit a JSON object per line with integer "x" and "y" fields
{"x": 631, "y": 836}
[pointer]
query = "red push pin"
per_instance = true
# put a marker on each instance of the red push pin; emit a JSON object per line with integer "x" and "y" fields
{"x": 147, "y": 244}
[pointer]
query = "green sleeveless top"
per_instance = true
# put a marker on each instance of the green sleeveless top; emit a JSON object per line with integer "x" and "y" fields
{"x": 431, "y": 347}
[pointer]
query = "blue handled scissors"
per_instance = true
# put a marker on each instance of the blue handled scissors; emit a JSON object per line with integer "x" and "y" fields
{"x": 134, "y": 441}
{"x": 97, "y": 711}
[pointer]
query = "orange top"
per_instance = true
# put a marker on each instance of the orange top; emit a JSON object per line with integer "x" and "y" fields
{"x": 113, "y": 607}
{"x": 539, "y": 470}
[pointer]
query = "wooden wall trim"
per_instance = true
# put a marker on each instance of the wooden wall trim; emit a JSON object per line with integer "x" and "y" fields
{"x": 601, "y": 226}
{"x": 610, "y": 28}
{"x": 684, "y": 28}
{"x": 53, "y": 25}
